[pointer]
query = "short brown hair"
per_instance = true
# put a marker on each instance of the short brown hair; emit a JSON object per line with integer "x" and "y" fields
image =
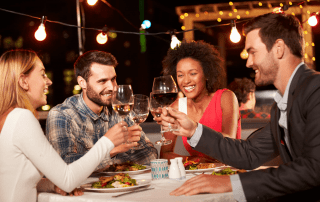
{"x": 275, "y": 26}
{"x": 83, "y": 63}
{"x": 241, "y": 88}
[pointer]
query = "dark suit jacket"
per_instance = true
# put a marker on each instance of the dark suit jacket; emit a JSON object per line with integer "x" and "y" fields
{"x": 299, "y": 176}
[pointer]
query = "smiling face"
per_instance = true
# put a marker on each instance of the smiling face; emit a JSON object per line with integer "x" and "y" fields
{"x": 190, "y": 78}
{"x": 260, "y": 60}
{"x": 99, "y": 86}
{"x": 37, "y": 85}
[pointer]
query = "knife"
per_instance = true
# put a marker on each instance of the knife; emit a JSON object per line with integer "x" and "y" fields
{"x": 129, "y": 192}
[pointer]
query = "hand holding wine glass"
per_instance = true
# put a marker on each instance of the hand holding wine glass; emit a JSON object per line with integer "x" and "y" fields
{"x": 122, "y": 101}
{"x": 140, "y": 112}
{"x": 164, "y": 92}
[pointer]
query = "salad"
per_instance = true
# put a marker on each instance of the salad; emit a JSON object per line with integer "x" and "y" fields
{"x": 228, "y": 171}
{"x": 127, "y": 166}
{"x": 117, "y": 181}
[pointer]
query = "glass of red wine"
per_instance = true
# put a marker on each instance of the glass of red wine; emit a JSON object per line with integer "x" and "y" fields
{"x": 164, "y": 92}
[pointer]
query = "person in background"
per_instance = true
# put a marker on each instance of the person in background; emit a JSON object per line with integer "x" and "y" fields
{"x": 197, "y": 69}
{"x": 74, "y": 126}
{"x": 245, "y": 91}
{"x": 25, "y": 153}
{"x": 275, "y": 45}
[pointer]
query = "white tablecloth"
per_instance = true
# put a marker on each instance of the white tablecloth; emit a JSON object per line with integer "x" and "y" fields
{"x": 161, "y": 192}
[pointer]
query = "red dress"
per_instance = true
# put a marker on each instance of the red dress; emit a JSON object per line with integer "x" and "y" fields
{"x": 212, "y": 117}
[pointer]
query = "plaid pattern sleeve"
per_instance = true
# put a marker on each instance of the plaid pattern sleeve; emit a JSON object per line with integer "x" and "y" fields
{"x": 60, "y": 134}
{"x": 141, "y": 156}
{"x": 72, "y": 128}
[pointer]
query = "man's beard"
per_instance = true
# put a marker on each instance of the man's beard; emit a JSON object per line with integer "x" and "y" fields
{"x": 95, "y": 97}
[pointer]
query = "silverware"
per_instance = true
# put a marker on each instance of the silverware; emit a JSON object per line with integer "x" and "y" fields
{"x": 133, "y": 191}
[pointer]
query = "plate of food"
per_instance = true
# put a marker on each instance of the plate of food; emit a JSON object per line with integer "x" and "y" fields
{"x": 117, "y": 183}
{"x": 196, "y": 167}
{"x": 228, "y": 171}
{"x": 127, "y": 167}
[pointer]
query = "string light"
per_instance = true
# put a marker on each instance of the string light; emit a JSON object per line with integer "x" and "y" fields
{"x": 92, "y": 2}
{"x": 102, "y": 38}
{"x": 244, "y": 54}
{"x": 146, "y": 24}
{"x": 41, "y": 34}
{"x": 174, "y": 41}
{"x": 234, "y": 36}
{"x": 312, "y": 21}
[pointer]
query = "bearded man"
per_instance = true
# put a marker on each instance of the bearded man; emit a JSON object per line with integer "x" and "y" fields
{"x": 74, "y": 126}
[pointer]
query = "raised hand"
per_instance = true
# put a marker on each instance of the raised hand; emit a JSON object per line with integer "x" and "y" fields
{"x": 118, "y": 134}
{"x": 186, "y": 126}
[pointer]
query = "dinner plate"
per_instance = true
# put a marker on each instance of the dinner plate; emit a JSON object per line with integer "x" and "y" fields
{"x": 135, "y": 172}
{"x": 141, "y": 183}
{"x": 218, "y": 166}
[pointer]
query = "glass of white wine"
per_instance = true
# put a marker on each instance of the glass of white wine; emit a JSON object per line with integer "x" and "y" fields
{"x": 140, "y": 112}
{"x": 122, "y": 100}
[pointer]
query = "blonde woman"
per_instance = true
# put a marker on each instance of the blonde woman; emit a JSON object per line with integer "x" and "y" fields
{"x": 25, "y": 154}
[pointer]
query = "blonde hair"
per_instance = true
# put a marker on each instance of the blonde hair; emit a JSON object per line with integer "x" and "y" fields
{"x": 13, "y": 64}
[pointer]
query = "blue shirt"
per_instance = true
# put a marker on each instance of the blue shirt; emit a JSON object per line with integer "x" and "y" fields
{"x": 73, "y": 128}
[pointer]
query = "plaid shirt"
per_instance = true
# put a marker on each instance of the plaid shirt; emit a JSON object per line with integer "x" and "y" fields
{"x": 249, "y": 113}
{"x": 72, "y": 128}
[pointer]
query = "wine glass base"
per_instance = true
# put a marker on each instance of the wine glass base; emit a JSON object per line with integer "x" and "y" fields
{"x": 163, "y": 142}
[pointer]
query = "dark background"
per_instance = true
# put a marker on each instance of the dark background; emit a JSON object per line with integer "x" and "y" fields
{"x": 60, "y": 49}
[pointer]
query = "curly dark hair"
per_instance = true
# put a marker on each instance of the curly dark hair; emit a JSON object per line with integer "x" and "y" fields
{"x": 206, "y": 54}
{"x": 241, "y": 88}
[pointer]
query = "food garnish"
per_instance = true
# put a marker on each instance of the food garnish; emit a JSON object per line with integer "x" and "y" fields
{"x": 228, "y": 171}
{"x": 117, "y": 181}
{"x": 127, "y": 166}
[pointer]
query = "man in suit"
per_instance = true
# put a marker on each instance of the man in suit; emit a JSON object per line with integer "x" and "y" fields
{"x": 275, "y": 45}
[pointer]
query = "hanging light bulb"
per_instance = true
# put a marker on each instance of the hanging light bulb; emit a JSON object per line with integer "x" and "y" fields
{"x": 174, "y": 42}
{"x": 312, "y": 21}
{"x": 102, "y": 38}
{"x": 244, "y": 54}
{"x": 146, "y": 24}
{"x": 41, "y": 34}
{"x": 92, "y": 2}
{"x": 234, "y": 36}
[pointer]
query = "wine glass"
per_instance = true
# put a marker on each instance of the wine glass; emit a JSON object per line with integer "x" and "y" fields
{"x": 122, "y": 100}
{"x": 140, "y": 111}
{"x": 164, "y": 92}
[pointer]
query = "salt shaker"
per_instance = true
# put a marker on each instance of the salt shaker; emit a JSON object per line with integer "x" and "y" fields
{"x": 174, "y": 172}
{"x": 181, "y": 168}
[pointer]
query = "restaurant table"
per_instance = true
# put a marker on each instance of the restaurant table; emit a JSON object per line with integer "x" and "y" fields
{"x": 161, "y": 192}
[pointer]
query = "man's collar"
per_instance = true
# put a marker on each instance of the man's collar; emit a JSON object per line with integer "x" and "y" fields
{"x": 283, "y": 100}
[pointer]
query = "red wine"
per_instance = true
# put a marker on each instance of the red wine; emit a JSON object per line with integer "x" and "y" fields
{"x": 155, "y": 113}
{"x": 123, "y": 109}
{"x": 165, "y": 99}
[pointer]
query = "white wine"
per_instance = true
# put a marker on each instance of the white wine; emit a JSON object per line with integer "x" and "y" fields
{"x": 123, "y": 109}
{"x": 140, "y": 118}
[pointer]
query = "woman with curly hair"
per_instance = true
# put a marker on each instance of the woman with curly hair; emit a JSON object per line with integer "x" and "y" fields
{"x": 197, "y": 69}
